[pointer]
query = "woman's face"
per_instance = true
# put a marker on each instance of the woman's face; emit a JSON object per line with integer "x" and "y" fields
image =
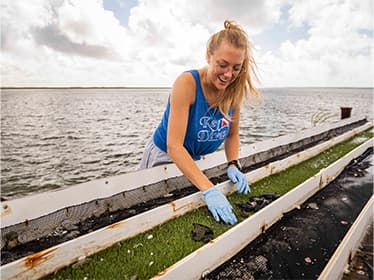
{"x": 225, "y": 64}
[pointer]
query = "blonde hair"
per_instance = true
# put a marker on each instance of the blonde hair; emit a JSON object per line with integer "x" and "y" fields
{"x": 243, "y": 85}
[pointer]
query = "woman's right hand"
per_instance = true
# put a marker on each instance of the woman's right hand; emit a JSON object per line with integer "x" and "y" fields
{"x": 219, "y": 206}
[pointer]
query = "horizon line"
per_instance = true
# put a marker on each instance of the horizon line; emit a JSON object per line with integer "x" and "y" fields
{"x": 159, "y": 87}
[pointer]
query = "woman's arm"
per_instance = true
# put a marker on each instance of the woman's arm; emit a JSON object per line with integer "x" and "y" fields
{"x": 232, "y": 141}
{"x": 182, "y": 97}
{"x": 232, "y": 153}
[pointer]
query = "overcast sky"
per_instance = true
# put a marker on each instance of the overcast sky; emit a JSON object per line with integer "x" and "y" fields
{"x": 150, "y": 42}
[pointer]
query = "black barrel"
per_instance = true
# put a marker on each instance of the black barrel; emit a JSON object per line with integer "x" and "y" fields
{"x": 345, "y": 112}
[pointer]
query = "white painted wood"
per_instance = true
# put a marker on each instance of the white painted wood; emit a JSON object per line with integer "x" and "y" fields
{"x": 347, "y": 248}
{"x": 14, "y": 211}
{"x": 288, "y": 138}
{"x": 49, "y": 260}
{"x": 217, "y": 251}
{"x": 281, "y": 165}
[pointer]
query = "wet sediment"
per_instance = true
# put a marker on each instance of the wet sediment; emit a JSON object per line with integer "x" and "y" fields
{"x": 302, "y": 242}
{"x": 202, "y": 233}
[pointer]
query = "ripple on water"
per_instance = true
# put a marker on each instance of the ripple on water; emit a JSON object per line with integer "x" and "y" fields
{"x": 61, "y": 139}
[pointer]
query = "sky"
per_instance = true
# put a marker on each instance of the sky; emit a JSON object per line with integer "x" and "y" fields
{"x": 297, "y": 43}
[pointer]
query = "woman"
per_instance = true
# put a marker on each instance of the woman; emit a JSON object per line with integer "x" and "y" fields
{"x": 203, "y": 112}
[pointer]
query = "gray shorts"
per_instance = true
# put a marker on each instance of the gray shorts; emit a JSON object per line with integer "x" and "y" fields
{"x": 153, "y": 156}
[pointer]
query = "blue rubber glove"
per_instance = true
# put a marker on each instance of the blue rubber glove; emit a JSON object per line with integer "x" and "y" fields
{"x": 219, "y": 206}
{"x": 238, "y": 177}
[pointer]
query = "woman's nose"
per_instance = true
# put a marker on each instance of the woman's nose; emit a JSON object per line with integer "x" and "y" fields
{"x": 228, "y": 72}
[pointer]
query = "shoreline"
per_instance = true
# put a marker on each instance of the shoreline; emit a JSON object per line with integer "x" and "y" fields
{"x": 134, "y": 87}
{"x": 163, "y": 87}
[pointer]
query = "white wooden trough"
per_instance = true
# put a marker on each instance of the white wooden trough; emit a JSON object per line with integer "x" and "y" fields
{"x": 56, "y": 257}
{"x": 349, "y": 245}
{"x": 14, "y": 211}
{"x": 217, "y": 251}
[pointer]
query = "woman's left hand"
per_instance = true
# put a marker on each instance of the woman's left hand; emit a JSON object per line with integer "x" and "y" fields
{"x": 238, "y": 177}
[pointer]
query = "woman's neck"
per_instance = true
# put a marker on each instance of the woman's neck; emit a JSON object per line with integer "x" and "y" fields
{"x": 209, "y": 90}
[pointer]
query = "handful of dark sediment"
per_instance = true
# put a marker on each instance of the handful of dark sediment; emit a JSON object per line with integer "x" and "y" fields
{"x": 202, "y": 233}
{"x": 256, "y": 203}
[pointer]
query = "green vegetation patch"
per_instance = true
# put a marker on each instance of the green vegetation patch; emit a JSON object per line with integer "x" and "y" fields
{"x": 155, "y": 250}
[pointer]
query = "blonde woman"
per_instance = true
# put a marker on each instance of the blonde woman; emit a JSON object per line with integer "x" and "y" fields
{"x": 203, "y": 112}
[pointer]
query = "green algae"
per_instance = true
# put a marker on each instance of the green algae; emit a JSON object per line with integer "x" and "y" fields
{"x": 155, "y": 250}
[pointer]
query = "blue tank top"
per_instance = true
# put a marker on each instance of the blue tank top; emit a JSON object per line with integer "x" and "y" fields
{"x": 207, "y": 128}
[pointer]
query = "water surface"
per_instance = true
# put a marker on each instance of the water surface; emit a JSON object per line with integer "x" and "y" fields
{"x": 51, "y": 138}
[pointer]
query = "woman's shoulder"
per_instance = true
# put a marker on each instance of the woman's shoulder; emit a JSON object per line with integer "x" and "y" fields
{"x": 187, "y": 77}
{"x": 185, "y": 87}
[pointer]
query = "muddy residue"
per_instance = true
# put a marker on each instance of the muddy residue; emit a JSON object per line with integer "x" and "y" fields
{"x": 202, "y": 233}
{"x": 256, "y": 203}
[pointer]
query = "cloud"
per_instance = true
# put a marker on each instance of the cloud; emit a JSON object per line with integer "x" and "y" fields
{"x": 335, "y": 53}
{"x": 78, "y": 42}
{"x": 161, "y": 40}
{"x": 254, "y": 15}
{"x": 44, "y": 40}
{"x": 51, "y": 36}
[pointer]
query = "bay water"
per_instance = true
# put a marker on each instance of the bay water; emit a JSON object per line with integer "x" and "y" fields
{"x": 53, "y": 138}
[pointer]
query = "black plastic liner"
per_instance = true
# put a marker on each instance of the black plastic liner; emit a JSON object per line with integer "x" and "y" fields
{"x": 302, "y": 242}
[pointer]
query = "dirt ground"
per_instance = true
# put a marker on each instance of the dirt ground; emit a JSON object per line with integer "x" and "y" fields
{"x": 300, "y": 245}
